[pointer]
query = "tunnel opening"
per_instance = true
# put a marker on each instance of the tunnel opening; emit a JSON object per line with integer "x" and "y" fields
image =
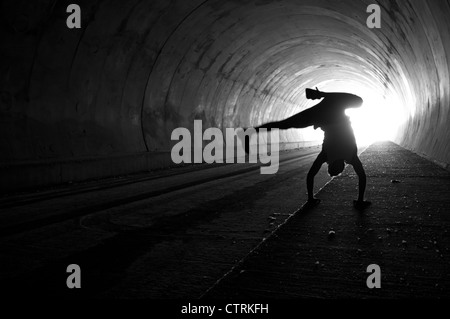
{"x": 103, "y": 100}
{"x": 258, "y": 79}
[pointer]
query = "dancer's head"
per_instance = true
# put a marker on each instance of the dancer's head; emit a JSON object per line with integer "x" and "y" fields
{"x": 336, "y": 168}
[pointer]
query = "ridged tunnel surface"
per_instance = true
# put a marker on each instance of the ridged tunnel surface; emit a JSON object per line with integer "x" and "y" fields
{"x": 112, "y": 91}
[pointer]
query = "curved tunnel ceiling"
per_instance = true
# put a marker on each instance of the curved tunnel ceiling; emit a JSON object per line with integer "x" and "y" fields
{"x": 138, "y": 69}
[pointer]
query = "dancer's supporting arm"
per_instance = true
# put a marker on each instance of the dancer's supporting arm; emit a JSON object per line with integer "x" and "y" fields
{"x": 315, "y": 168}
{"x": 357, "y": 165}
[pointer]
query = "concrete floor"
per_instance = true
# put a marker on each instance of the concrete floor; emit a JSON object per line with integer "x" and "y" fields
{"x": 227, "y": 231}
{"x": 168, "y": 234}
{"x": 405, "y": 232}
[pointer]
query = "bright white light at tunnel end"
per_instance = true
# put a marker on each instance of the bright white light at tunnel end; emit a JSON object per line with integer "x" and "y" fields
{"x": 378, "y": 119}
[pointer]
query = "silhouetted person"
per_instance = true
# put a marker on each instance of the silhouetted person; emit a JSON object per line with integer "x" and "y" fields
{"x": 339, "y": 145}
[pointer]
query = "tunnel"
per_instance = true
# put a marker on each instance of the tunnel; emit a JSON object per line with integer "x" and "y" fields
{"x": 102, "y": 100}
{"x": 91, "y": 93}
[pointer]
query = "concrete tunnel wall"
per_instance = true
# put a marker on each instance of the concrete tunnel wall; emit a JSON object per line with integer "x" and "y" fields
{"x": 103, "y": 100}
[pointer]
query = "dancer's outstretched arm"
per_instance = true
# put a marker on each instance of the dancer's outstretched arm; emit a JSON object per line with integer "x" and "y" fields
{"x": 309, "y": 117}
{"x": 300, "y": 120}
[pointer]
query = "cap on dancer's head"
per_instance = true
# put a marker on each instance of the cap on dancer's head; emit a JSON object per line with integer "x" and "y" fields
{"x": 336, "y": 168}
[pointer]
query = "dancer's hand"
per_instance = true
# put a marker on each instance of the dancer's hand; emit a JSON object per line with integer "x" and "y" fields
{"x": 361, "y": 204}
{"x": 312, "y": 202}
